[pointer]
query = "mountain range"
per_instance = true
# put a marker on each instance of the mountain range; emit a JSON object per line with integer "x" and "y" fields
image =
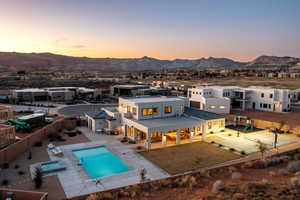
{"x": 12, "y": 61}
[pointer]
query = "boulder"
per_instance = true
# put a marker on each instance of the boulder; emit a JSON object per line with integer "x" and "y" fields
{"x": 236, "y": 175}
{"x": 218, "y": 186}
{"x": 272, "y": 173}
{"x": 294, "y": 166}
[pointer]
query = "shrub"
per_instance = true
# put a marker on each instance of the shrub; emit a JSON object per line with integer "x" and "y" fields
{"x": 38, "y": 178}
{"x": 139, "y": 147}
{"x": 243, "y": 153}
{"x": 21, "y": 172}
{"x": 5, "y": 166}
{"x": 220, "y": 145}
{"x": 38, "y": 144}
{"x": 17, "y": 166}
{"x": 212, "y": 142}
{"x": 5, "y": 182}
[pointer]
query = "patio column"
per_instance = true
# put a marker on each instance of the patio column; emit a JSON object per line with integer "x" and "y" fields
{"x": 148, "y": 141}
{"x": 178, "y": 136}
{"x": 203, "y": 132}
{"x": 164, "y": 139}
{"x": 192, "y": 133}
{"x": 134, "y": 134}
{"x": 126, "y": 130}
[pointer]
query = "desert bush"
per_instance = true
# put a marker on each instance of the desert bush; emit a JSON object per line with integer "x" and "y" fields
{"x": 218, "y": 186}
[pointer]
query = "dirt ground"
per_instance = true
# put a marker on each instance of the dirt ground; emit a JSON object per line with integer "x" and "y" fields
{"x": 187, "y": 157}
{"x": 51, "y": 184}
{"x": 273, "y": 191}
{"x": 253, "y": 81}
{"x": 291, "y": 118}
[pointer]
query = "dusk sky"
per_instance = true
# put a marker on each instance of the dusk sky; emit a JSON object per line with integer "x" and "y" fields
{"x": 237, "y": 29}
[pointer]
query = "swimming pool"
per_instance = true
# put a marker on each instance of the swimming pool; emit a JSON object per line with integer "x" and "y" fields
{"x": 100, "y": 162}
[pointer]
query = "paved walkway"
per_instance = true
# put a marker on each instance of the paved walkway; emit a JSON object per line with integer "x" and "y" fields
{"x": 75, "y": 180}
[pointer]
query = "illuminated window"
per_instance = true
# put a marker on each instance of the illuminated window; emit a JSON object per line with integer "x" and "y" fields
{"x": 222, "y": 107}
{"x": 134, "y": 110}
{"x": 144, "y": 112}
{"x": 181, "y": 108}
{"x": 168, "y": 109}
{"x": 222, "y": 123}
{"x": 155, "y": 111}
{"x": 209, "y": 125}
{"x": 198, "y": 129}
{"x": 128, "y": 109}
{"x": 212, "y": 107}
{"x": 150, "y": 111}
{"x": 130, "y": 131}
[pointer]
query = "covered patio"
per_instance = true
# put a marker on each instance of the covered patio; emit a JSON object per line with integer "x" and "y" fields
{"x": 163, "y": 132}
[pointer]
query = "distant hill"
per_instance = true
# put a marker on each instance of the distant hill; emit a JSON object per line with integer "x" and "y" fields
{"x": 46, "y": 61}
{"x": 274, "y": 61}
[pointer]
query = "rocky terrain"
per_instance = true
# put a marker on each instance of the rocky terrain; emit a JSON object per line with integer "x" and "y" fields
{"x": 276, "y": 178}
{"x": 12, "y": 61}
{"x": 46, "y": 61}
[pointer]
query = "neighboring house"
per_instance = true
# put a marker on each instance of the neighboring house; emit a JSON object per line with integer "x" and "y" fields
{"x": 101, "y": 120}
{"x": 207, "y": 99}
{"x": 165, "y": 120}
{"x": 127, "y": 90}
{"x": 256, "y": 98}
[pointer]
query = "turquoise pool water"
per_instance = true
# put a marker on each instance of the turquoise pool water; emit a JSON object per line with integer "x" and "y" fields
{"x": 99, "y": 162}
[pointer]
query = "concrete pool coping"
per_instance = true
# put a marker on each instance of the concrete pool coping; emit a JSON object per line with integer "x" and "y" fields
{"x": 75, "y": 180}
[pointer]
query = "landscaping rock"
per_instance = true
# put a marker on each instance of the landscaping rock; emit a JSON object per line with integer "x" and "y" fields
{"x": 295, "y": 181}
{"x": 236, "y": 175}
{"x": 282, "y": 172}
{"x": 232, "y": 169}
{"x": 294, "y": 166}
{"x": 272, "y": 173}
{"x": 218, "y": 186}
{"x": 238, "y": 196}
{"x": 265, "y": 181}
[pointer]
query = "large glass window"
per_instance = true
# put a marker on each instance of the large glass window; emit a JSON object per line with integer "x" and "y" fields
{"x": 134, "y": 110}
{"x": 155, "y": 111}
{"x": 128, "y": 109}
{"x": 168, "y": 109}
{"x": 150, "y": 111}
{"x": 144, "y": 112}
{"x": 209, "y": 125}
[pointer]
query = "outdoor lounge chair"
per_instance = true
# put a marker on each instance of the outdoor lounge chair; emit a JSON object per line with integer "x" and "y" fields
{"x": 57, "y": 151}
{"x": 51, "y": 146}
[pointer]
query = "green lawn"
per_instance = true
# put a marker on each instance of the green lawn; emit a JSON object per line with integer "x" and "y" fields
{"x": 186, "y": 157}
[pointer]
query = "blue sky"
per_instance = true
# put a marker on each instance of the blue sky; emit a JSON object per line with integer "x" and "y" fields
{"x": 163, "y": 29}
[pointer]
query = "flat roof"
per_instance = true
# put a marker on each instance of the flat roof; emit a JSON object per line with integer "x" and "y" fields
{"x": 152, "y": 99}
{"x": 131, "y": 86}
{"x": 166, "y": 124}
{"x": 201, "y": 114}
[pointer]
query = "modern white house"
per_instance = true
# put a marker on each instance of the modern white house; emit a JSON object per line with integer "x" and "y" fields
{"x": 256, "y": 98}
{"x": 205, "y": 98}
{"x": 165, "y": 120}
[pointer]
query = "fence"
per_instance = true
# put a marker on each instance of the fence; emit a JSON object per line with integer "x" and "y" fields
{"x": 11, "y": 152}
{"x": 264, "y": 124}
{"x": 22, "y": 194}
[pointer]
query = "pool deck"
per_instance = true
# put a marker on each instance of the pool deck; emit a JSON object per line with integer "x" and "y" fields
{"x": 75, "y": 180}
